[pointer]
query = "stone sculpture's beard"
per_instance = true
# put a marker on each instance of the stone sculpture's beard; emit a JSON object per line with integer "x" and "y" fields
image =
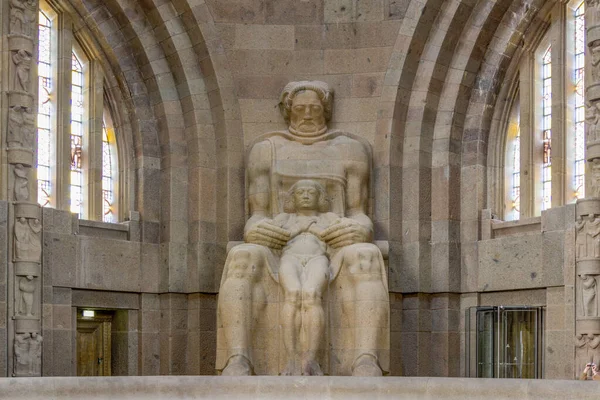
{"x": 317, "y": 131}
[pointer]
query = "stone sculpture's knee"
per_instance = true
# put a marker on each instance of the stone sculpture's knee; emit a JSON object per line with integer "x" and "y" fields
{"x": 293, "y": 296}
{"x": 363, "y": 260}
{"x": 311, "y": 297}
{"x": 241, "y": 265}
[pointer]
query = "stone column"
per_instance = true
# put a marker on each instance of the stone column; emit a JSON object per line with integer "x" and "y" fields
{"x": 19, "y": 97}
{"x": 587, "y": 239}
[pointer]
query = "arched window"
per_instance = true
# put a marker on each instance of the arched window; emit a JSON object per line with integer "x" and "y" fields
{"x": 513, "y": 164}
{"x": 546, "y": 127}
{"x": 44, "y": 124}
{"x": 544, "y": 163}
{"x": 109, "y": 172}
{"x": 77, "y": 152}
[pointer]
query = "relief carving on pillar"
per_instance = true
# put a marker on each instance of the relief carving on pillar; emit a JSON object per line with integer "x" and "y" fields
{"x": 28, "y": 240}
{"x": 587, "y": 258}
{"x": 589, "y": 299}
{"x": 595, "y": 181}
{"x": 592, "y": 118}
{"x": 26, "y": 227}
{"x": 586, "y": 348}
{"x": 22, "y": 17}
{"x": 587, "y": 242}
{"x": 21, "y": 127}
{"x": 27, "y": 354}
{"x": 22, "y": 71}
{"x": 21, "y": 189}
{"x": 25, "y": 296}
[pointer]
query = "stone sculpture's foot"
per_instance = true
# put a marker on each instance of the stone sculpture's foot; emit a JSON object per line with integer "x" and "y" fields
{"x": 311, "y": 368}
{"x": 238, "y": 366}
{"x": 366, "y": 365}
{"x": 289, "y": 369}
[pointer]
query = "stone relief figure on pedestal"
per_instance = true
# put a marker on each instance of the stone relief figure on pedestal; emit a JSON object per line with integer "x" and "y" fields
{"x": 27, "y": 354}
{"x": 22, "y": 61}
{"x": 25, "y": 297}
{"x": 587, "y": 242}
{"x": 21, "y": 182}
{"x": 592, "y": 118}
{"x": 595, "y": 181}
{"x": 15, "y": 122}
{"x": 21, "y": 351}
{"x": 588, "y": 289}
{"x": 595, "y": 52}
{"x": 18, "y": 19}
{"x": 308, "y": 243}
{"x": 21, "y": 127}
{"x": 28, "y": 241}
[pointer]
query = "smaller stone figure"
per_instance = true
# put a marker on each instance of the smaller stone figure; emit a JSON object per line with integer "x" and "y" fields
{"x": 36, "y": 238}
{"x": 596, "y": 178}
{"x": 15, "y": 123}
{"x": 26, "y": 293}
{"x": 595, "y": 52}
{"x": 28, "y": 128}
{"x": 28, "y": 246}
{"x": 22, "y": 360}
{"x": 21, "y": 182}
{"x": 35, "y": 354}
{"x": 18, "y": 20}
{"x": 588, "y": 288}
{"x": 304, "y": 271}
{"x": 22, "y": 61}
{"x": 587, "y": 242}
{"x": 592, "y": 119}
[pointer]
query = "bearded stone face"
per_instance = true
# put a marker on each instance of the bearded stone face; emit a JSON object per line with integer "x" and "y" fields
{"x": 307, "y": 116}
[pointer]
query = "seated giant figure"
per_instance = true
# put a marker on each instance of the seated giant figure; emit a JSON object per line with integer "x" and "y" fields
{"x": 307, "y": 292}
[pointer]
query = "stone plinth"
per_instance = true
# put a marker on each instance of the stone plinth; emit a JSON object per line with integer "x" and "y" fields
{"x": 273, "y": 387}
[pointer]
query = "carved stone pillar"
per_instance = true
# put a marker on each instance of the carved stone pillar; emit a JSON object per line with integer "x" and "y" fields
{"x": 19, "y": 188}
{"x": 592, "y": 95}
{"x": 587, "y": 257}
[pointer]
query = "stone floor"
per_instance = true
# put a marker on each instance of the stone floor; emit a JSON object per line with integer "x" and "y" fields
{"x": 264, "y": 388}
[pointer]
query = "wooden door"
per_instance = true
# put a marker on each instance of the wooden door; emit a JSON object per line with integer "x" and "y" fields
{"x": 93, "y": 346}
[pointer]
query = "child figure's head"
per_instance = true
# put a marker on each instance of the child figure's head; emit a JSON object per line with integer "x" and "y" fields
{"x": 306, "y": 194}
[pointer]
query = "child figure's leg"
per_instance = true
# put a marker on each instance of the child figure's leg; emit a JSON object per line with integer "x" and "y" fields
{"x": 313, "y": 315}
{"x": 289, "y": 277}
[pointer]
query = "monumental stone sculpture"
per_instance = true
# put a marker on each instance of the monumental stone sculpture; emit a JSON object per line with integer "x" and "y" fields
{"x": 307, "y": 291}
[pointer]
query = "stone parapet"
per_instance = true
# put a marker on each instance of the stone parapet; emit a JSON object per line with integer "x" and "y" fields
{"x": 277, "y": 387}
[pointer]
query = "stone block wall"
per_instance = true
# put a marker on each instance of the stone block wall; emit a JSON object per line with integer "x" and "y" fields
{"x": 529, "y": 263}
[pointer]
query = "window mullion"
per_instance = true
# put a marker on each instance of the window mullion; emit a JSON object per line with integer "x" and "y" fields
{"x": 63, "y": 112}
{"x": 559, "y": 134}
{"x": 96, "y": 116}
{"x": 526, "y": 96}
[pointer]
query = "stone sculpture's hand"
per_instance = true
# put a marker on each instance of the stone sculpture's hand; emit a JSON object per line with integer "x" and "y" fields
{"x": 344, "y": 232}
{"x": 267, "y": 234}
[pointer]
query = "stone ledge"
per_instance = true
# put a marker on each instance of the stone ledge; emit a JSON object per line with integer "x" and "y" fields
{"x": 274, "y": 387}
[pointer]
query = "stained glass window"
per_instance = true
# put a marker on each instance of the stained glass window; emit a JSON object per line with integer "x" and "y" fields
{"x": 579, "y": 115}
{"x": 77, "y": 111}
{"x": 546, "y": 76}
{"x": 107, "y": 179}
{"x": 516, "y": 175}
{"x": 44, "y": 119}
